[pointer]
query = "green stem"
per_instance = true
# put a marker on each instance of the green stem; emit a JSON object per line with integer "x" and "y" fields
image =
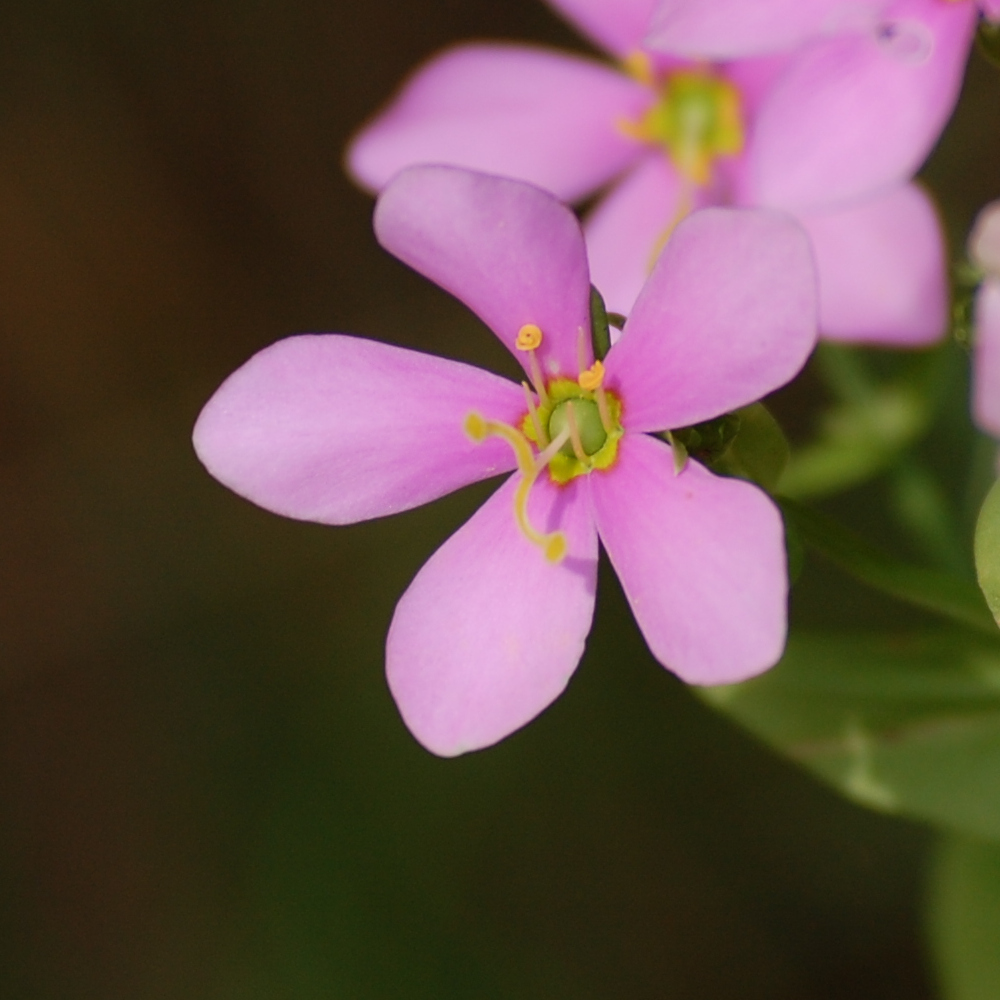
{"x": 941, "y": 593}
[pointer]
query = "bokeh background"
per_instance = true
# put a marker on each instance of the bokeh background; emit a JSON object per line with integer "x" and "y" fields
{"x": 205, "y": 789}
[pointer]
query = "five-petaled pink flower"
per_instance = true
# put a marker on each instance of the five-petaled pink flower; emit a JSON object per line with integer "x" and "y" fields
{"x": 831, "y": 131}
{"x": 338, "y": 429}
{"x": 984, "y": 252}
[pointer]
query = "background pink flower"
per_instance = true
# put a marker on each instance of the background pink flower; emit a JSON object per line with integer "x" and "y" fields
{"x": 831, "y": 131}
{"x": 337, "y": 429}
{"x": 724, "y": 29}
{"x": 984, "y": 251}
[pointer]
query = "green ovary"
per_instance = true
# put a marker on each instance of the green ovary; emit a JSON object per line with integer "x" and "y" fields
{"x": 599, "y": 445}
{"x": 588, "y": 423}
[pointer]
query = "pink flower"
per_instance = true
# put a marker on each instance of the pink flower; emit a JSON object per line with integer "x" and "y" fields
{"x": 831, "y": 132}
{"x": 724, "y": 29}
{"x": 984, "y": 252}
{"x": 338, "y": 429}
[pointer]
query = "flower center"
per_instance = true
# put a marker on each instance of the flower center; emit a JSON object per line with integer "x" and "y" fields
{"x": 697, "y": 118}
{"x": 572, "y": 427}
{"x": 585, "y": 422}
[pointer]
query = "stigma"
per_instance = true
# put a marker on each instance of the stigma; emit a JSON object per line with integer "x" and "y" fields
{"x": 571, "y": 428}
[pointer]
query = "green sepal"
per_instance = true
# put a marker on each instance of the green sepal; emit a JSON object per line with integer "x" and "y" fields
{"x": 600, "y": 332}
{"x": 681, "y": 455}
{"x": 758, "y": 451}
{"x": 987, "y": 549}
{"x": 747, "y": 443}
{"x": 709, "y": 440}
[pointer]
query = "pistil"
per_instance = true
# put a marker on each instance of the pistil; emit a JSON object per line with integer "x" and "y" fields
{"x": 540, "y": 436}
{"x": 552, "y": 544}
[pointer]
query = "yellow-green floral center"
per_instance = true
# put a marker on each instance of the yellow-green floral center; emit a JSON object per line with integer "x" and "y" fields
{"x": 697, "y": 118}
{"x": 599, "y": 445}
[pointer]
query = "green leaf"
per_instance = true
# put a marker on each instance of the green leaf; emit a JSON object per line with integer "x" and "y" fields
{"x": 987, "y": 549}
{"x": 873, "y": 418}
{"x": 946, "y": 595}
{"x": 921, "y": 505}
{"x": 857, "y": 440}
{"x": 902, "y": 724}
{"x": 963, "y": 919}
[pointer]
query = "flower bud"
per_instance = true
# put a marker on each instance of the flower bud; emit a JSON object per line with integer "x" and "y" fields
{"x": 984, "y": 240}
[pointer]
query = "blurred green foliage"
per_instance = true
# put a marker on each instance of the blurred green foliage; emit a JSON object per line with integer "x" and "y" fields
{"x": 964, "y": 918}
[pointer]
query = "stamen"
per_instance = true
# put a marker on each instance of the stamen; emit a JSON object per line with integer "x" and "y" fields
{"x": 574, "y": 433}
{"x": 540, "y": 436}
{"x": 529, "y": 339}
{"x": 478, "y": 428}
{"x": 552, "y": 449}
{"x": 639, "y": 66}
{"x": 637, "y": 130}
{"x": 582, "y": 348}
{"x": 602, "y": 409}
{"x": 593, "y": 378}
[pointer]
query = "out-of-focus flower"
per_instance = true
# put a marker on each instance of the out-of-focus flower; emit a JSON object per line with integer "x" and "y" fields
{"x": 726, "y": 29}
{"x": 984, "y": 252}
{"x": 831, "y": 132}
{"x": 338, "y": 429}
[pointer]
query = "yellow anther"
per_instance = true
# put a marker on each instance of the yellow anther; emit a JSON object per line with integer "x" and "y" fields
{"x": 476, "y": 427}
{"x": 639, "y": 66}
{"x": 593, "y": 377}
{"x": 529, "y": 338}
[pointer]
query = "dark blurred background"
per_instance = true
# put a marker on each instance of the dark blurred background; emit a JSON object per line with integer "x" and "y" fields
{"x": 205, "y": 789}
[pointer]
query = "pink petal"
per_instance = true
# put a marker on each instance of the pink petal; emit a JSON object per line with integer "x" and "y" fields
{"x": 617, "y": 26}
{"x": 489, "y": 632}
{"x": 511, "y": 252}
{"x": 990, "y": 9}
{"x": 537, "y": 115}
{"x": 755, "y": 79}
{"x": 882, "y": 269}
{"x": 986, "y": 371}
{"x": 338, "y": 429}
{"x": 728, "y": 315}
{"x": 861, "y": 111}
{"x": 724, "y": 29}
{"x": 701, "y": 560}
{"x": 626, "y": 230}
